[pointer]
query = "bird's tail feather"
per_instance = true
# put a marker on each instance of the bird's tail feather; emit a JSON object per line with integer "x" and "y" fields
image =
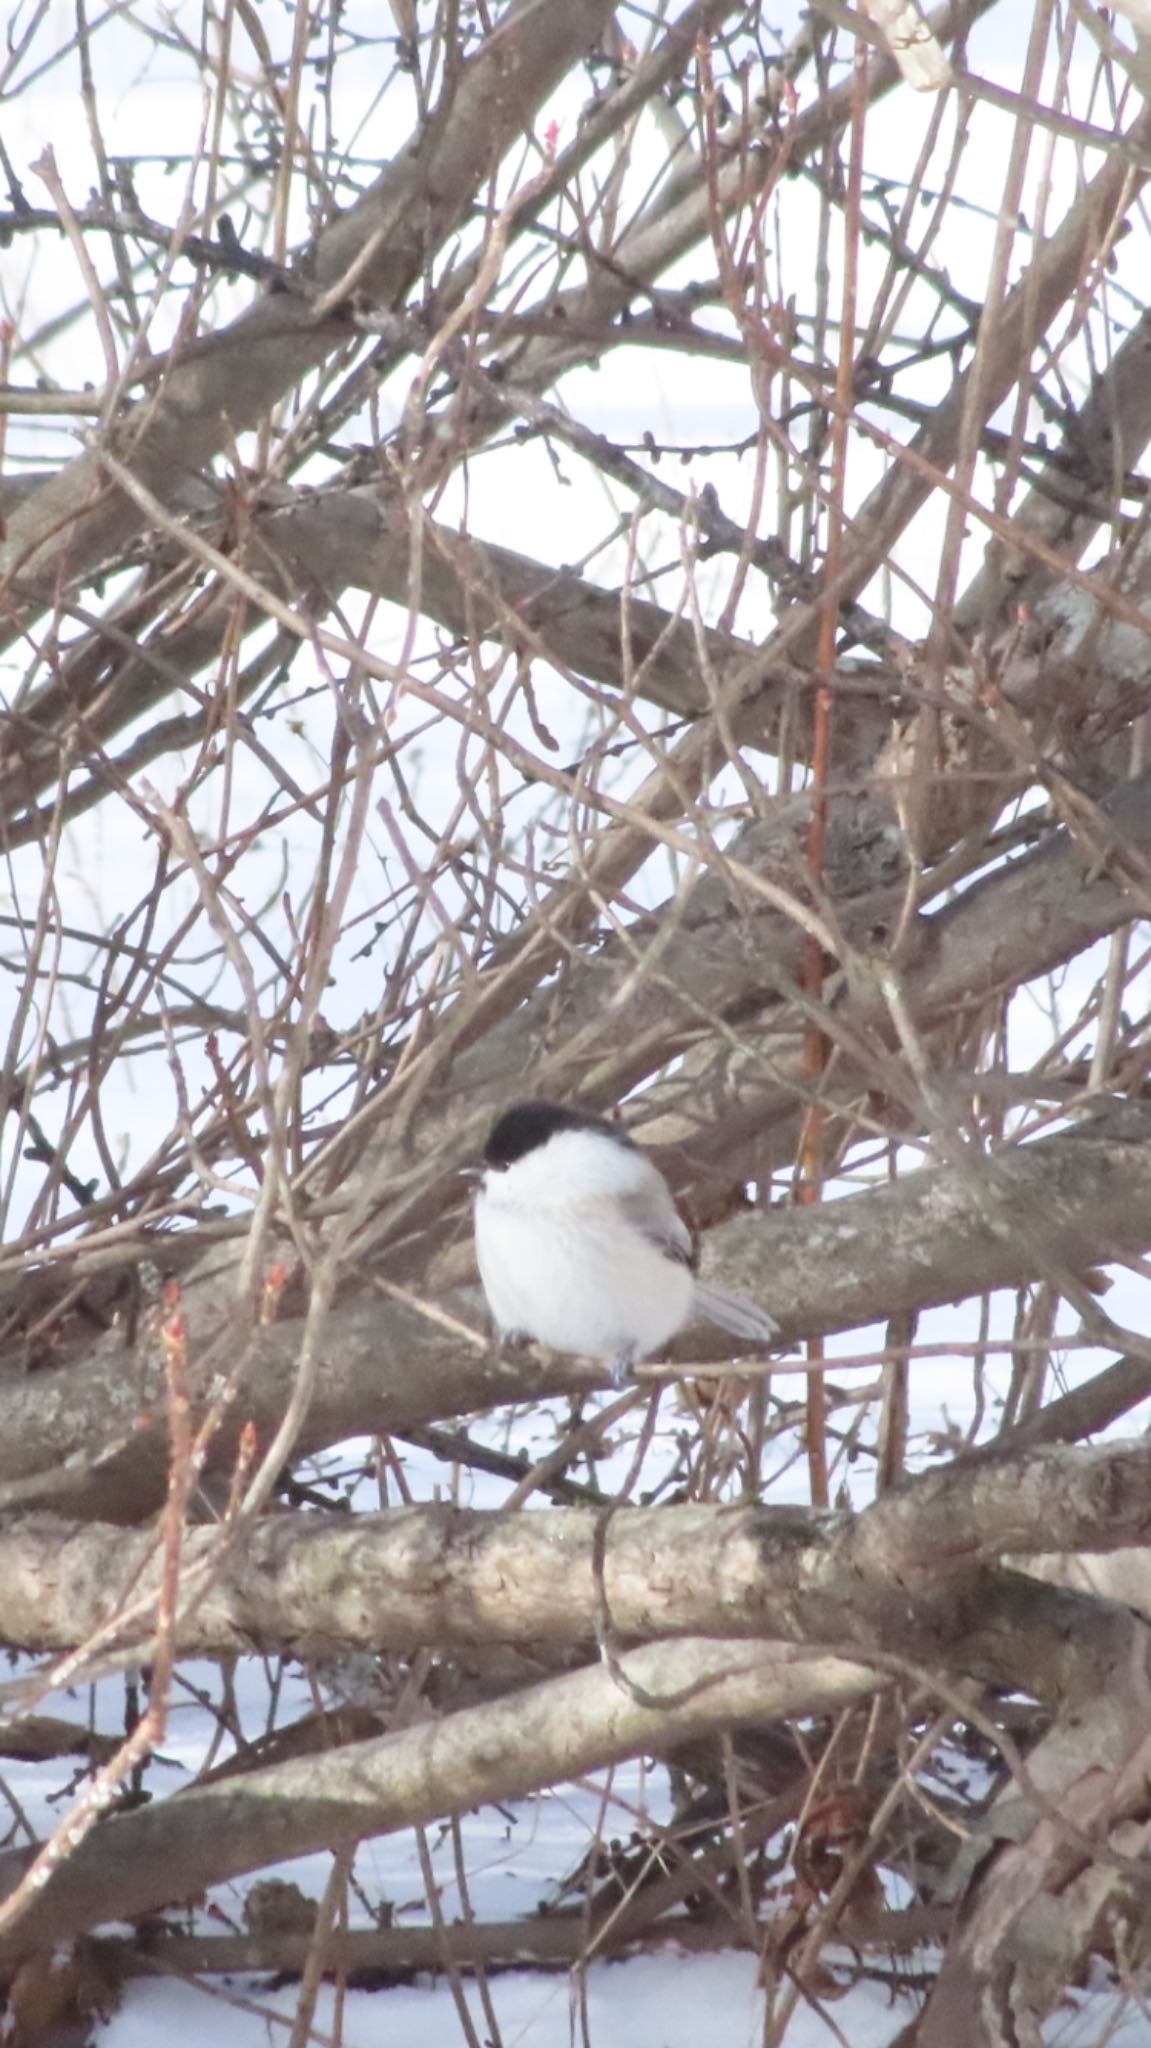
{"x": 732, "y": 1312}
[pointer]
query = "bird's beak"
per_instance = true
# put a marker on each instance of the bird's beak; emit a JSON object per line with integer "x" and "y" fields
{"x": 473, "y": 1173}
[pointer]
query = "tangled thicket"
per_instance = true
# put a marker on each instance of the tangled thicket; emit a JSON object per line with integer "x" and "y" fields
{"x": 641, "y": 598}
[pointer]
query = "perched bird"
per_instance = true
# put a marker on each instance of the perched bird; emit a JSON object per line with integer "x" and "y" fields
{"x": 581, "y": 1246}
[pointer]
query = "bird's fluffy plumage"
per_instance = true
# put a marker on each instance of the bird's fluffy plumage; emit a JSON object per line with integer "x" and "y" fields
{"x": 580, "y": 1244}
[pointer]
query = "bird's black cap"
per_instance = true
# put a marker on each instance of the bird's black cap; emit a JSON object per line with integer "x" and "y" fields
{"x": 528, "y": 1124}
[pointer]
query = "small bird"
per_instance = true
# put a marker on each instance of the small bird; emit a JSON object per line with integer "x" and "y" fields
{"x": 581, "y": 1246}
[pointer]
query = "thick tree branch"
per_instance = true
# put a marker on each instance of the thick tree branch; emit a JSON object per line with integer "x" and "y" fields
{"x": 504, "y": 1750}
{"x": 906, "y": 1576}
{"x": 1055, "y": 1877}
{"x": 74, "y": 1436}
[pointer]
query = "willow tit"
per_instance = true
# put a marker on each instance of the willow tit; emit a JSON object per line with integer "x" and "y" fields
{"x": 581, "y": 1246}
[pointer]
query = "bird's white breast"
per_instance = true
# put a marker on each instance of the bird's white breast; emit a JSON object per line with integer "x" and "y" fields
{"x": 561, "y": 1263}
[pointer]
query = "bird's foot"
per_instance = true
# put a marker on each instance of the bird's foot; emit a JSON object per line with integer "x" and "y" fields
{"x": 621, "y": 1366}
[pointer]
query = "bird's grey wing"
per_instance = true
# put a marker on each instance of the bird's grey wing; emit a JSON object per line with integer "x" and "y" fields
{"x": 648, "y": 1207}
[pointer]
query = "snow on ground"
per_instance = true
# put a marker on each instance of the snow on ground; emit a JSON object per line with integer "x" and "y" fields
{"x": 657, "y": 2001}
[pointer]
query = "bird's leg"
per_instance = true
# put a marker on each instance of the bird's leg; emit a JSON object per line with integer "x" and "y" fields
{"x": 621, "y": 1366}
